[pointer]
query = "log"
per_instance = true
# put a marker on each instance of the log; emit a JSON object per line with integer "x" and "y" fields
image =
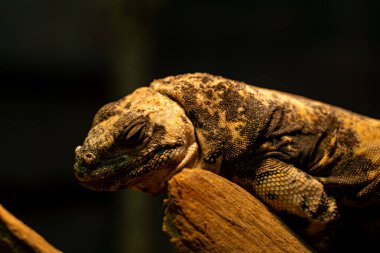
{"x": 16, "y": 237}
{"x": 207, "y": 213}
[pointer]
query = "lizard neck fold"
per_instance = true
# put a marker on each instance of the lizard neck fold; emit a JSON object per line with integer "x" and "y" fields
{"x": 222, "y": 113}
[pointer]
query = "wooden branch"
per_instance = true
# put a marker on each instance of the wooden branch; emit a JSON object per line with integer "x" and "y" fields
{"x": 15, "y": 236}
{"x": 207, "y": 213}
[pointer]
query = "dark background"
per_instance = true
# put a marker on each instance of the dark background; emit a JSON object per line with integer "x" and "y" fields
{"x": 61, "y": 60}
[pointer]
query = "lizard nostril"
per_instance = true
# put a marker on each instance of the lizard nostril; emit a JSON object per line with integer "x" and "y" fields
{"x": 89, "y": 157}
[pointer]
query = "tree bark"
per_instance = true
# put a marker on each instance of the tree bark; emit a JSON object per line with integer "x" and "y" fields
{"x": 16, "y": 237}
{"x": 207, "y": 213}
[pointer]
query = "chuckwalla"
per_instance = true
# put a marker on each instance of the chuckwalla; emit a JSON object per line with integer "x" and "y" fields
{"x": 301, "y": 157}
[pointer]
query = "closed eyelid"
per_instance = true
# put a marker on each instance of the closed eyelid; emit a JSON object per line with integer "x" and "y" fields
{"x": 134, "y": 130}
{"x": 138, "y": 122}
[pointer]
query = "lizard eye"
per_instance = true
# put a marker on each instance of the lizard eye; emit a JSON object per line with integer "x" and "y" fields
{"x": 135, "y": 135}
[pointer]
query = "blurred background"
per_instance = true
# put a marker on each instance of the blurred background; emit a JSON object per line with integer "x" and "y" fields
{"x": 60, "y": 61}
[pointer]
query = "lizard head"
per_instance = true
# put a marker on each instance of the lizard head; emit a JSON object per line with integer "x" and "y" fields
{"x": 137, "y": 142}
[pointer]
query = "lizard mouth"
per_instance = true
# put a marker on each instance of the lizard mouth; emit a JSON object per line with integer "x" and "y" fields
{"x": 105, "y": 178}
{"x": 100, "y": 179}
{"x": 124, "y": 171}
{"x": 111, "y": 183}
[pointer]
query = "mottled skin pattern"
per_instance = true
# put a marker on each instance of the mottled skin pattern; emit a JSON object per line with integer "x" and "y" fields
{"x": 300, "y": 157}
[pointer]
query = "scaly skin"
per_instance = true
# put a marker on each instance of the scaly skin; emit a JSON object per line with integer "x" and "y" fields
{"x": 300, "y": 157}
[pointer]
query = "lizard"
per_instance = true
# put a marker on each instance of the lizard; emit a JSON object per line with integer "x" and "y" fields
{"x": 303, "y": 158}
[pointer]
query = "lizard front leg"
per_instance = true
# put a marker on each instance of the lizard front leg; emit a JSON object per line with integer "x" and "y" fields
{"x": 286, "y": 188}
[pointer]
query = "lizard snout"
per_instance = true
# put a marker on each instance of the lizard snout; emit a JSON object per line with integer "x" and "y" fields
{"x": 87, "y": 156}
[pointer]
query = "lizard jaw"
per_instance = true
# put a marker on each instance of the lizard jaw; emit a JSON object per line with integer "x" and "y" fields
{"x": 105, "y": 178}
{"x": 188, "y": 161}
{"x": 155, "y": 182}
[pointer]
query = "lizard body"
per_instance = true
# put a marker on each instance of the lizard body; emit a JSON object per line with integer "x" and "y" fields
{"x": 299, "y": 156}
